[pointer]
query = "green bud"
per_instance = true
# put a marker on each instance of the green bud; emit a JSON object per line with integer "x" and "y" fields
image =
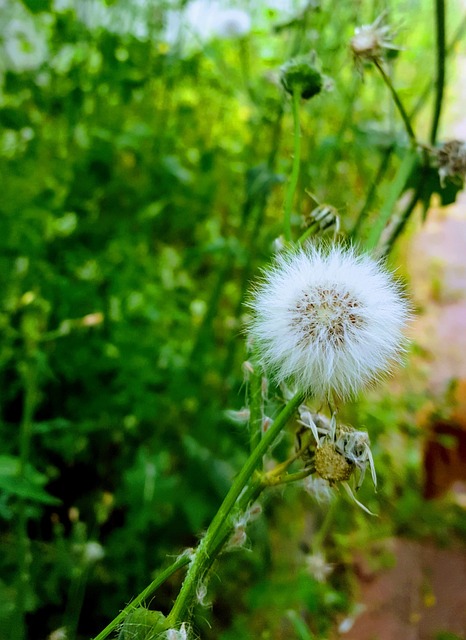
{"x": 143, "y": 624}
{"x": 303, "y": 75}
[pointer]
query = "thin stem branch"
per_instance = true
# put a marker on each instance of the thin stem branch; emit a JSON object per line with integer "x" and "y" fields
{"x": 399, "y": 104}
{"x": 293, "y": 183}
{"x": 440, "y": 80}
{"x": 396, "y": 188}
{"x": 203, "y": 557}
{"x": 180, "y": 562}
{"x": 386, "y": 244}
{"x": 381, "y": 171}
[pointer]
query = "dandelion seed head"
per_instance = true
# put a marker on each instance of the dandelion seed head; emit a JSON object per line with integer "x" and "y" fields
{"x": 328, "y": 320}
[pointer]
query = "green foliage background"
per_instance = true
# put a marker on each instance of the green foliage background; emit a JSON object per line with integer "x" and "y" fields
{"x": 141, "y": 190}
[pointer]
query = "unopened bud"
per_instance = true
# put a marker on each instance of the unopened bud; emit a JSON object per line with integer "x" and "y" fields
{"x": 301, "y": 74}
{"x": 142, "y": 624}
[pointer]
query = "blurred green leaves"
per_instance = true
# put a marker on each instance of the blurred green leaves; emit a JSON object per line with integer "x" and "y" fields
{"x": 142, "y": 188}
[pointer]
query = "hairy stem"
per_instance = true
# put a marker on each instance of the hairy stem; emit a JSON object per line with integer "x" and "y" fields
{"x": 203, "y": 557}
{"x": 180, "y": 562}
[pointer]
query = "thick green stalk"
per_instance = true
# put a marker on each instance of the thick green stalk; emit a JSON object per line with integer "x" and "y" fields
{"x": 293, "y": 183}
{"x": 440, "y": 80}
{"x": 203, "y": 557}
{"x": 180, "y": 562}
{"x": 457, "y": 36}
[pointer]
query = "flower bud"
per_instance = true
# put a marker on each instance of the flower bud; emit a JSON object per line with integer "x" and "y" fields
{"x": 331, "y": 465}
{"x": 302, "y": 75}
{"x": 142, "y": 624}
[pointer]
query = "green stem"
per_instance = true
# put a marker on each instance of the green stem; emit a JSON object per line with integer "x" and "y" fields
{"x": 396, "y": 188}
{"x": 313, "y": 228}
{"x": 385, "y": 247}
{"x": 288, "y": 477}
{"x": 255, "y": 406}
{"x": 399, "y": 104}
{"x": 249, "y": 496}
{"x": 372, "y": 191}
{"x": 293, "y": 183}
{"x": 440, "y": 81}
{"x": 321, "y": 534}
{"x": 24, "y": 559}
{"x": 450, "y": 48}
{"x": 203, "y": 557}
{"x": 182, "y": 561}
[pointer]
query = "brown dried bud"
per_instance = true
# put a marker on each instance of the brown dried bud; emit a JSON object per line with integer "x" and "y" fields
{"x": 331, "y": 465}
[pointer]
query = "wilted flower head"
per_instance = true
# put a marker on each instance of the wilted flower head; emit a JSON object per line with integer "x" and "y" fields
{"x": 335, "y": 452}
{"x": 371, "y": 40}
{"x": 328, "y": 320}
{"x": 451, "y": 161}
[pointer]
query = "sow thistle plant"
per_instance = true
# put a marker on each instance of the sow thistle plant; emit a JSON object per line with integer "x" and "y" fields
{"x": 327, "y": 320}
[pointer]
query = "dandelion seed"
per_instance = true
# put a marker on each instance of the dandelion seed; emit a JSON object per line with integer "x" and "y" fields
{"x": 318, "y": 566}
{"x": 240, "y": 416}
{"x": 319, "y": 489}
{"x": 201, "y": 594}
{"x": 328, "y": 320}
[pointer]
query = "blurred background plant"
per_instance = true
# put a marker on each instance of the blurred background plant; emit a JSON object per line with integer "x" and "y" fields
{"x": 143, "y": 154}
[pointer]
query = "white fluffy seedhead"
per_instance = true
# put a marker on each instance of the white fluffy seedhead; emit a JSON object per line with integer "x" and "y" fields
{"x": 328, "y": 319}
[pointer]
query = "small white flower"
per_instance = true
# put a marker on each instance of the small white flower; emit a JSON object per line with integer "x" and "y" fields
{"x": 24, "y": 45}
{"x": 58, "y": 634}
{"x": 93, "y": 552}
{"x": 328, "y": 320}
{"x": 232, "y": 23}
